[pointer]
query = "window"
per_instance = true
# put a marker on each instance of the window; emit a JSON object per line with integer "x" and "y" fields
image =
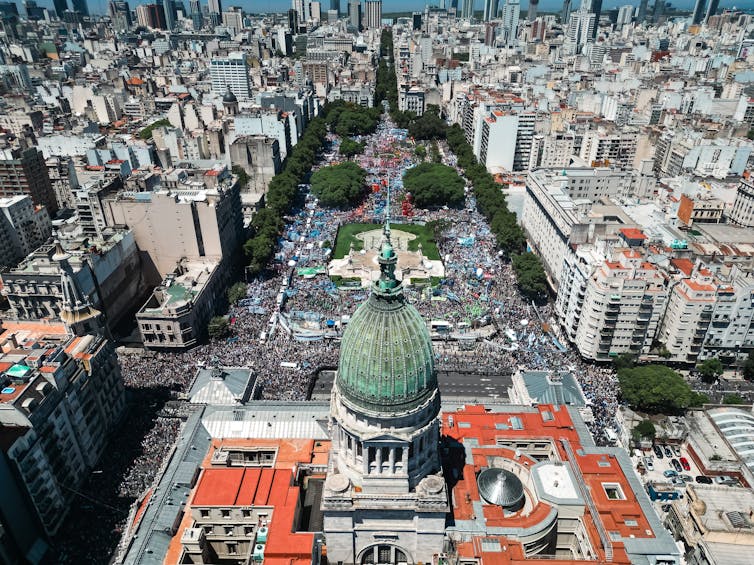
{"x": 225, "y": 513}
{"x": 204, "y": 513}
{"x": 232, "y": 548}
{"x": 613, "y": 491}
{"x": 229, "y": 530}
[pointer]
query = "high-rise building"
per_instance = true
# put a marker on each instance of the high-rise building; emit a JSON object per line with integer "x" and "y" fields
{"x": 467, "y": 9}
{"x": 195, "y": 9}
{"x": 532, "y": 13}
{"x": 510, "y": 19}
{"x": 151, "y": 15}
{"x": 316, "y": 10}
{"x": 354, "y": 13}
{"x": 23, "y": 228}
{"x": 168, "y": 7}
{"x": 303, "y": 8}
{"x": 642, "y": 14}
{"x": 711, "y": 9}
{"x": 385, "y": 430}
{"x": 373, "y": 16}
{"x": 214, "y": 6}
{"x": 490, "y": 10}
{"x": 23, "y": 171}
{"x": 625, "y": 15}
{"x": 80, "y": 6}
{"x": 658, "y": 10}
{"x": 580, "y": 30}
{"x": 120, "y": 15}
{"x": 698, "y": 13}
{"x": 565, "y": 14}
{"x": 60, "y": 7}
{"x": 742, "y": 213}
{"x": 231, "y": 72}
{"x": 594, "y": 7}
{"x": 335, "y": 5}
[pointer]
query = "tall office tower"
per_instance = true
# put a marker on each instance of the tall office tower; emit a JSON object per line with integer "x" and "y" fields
{"x": 293, "y": 20}
{"x": 315, "y": 9}
{"x": 566, "y": 11}
{"x": 625, "y": 14}
{"x": 335, "y": 5}
{"x": 354, "y": 13}
{"x": 303, "y": 9}
{"x": 642, "y": 15}
{"x": 416, "y": 20}
{"x": 490, "y": 10}
{"x": 532, "y": 14}
{"x": 231, "y": 72}
{"x": 120, "y": 16}
{"x": 510, "y": 17}
{"x": 698, "y": 13}
{"x": 373, "y": 18}
{"x": 711, "y": 9}
{"x": 467, "y": 9}
{"x": 658, "y": 11}
{"x": 60, "y": 7}
{"x": 23, "y": 171}
{"x": 80, "y": 6}
{"x": 214, "y": 6}
{"x": 596, "y": 9}
{"x": 196, "y": 14}
{"x": 168, "y": 7}
{"x": 580, "y": 29}
{"x": 490, "y": 33}
{"x": 33, "y": 12}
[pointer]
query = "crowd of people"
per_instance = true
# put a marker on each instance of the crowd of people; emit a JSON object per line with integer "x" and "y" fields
{"x": 477, "y": 291}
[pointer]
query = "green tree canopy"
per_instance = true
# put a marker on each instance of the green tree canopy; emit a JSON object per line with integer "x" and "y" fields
{"x": 748, "y": 367}
{"x": 218, "y": 327}
{"x": 429, "y": 125}
{"x": 236, "y": 292}
{"x": 146, "y": 133}
{"x": 432, "y": 184}
{"x": 645, "y": 428}
{"x": 339, "y": 186}
{"x": 530, "y": 275}
{"x": 420, "y": 151}
{"x": 243, "y": 176}
{"x": 733, "y": 398}
{"x": 349, "y": 147}
{"x": 624, "y": 361}
{"x": 710, "y": 369}
{"x": 656, "y": 389}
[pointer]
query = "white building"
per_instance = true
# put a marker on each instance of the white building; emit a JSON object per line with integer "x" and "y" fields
{"x": 615, "y": 149}
{"x": 231, "y": 72}
{"x": 373, "y": 14}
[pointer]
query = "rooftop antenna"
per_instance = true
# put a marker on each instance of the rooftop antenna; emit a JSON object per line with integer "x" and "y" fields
{"x": 387, "y": 213}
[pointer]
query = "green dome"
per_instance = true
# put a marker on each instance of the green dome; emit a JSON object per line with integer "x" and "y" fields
{"x": 386, "y": 360}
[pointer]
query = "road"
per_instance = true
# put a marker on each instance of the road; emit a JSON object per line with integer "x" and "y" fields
{"x": 454, "y": 386}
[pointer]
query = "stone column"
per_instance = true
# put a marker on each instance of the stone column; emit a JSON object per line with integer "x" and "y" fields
{"x": 378, "y": 459}
{"x": 404, "y": 456}
{"x": 391, "y": 459}
{"x": 365, "y": 458}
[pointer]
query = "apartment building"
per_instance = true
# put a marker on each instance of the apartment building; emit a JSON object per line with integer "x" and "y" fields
{"x": 23, "y": 228}
{"x": 23, "y": 171}
{"x": 231, "y": 72}
{"x": 602, "y": 148}
{"x": 742, "y": 213}
{"x": 61, "y": 395}
{"x": 623, "y": 306}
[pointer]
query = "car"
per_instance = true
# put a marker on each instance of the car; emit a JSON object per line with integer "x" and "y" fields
{"x": 685, "y": 464}
{"x": 676, "y": 465}
{"x": 668, "y": 452}
{"x": 670, "y": 473}
{"x": 677, "y": 482}
{"x": 677, "y": 451}
{"x": 703, "y": 480}
{"x": 686, "y": 478}
{"x": 648, "y": 464}
{"x": 725, "y": 480}
{"x": 658, "y": 451}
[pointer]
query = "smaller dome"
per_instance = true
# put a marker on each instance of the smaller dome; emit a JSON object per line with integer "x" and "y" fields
{"x": 501, "y": 487}
{"x": 229, "y": 97}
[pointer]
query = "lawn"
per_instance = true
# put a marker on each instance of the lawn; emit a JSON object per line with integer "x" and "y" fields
{"x": 424, "y": 235}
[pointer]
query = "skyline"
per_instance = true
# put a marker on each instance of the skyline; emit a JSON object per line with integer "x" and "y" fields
{"x": 262, "y": 6}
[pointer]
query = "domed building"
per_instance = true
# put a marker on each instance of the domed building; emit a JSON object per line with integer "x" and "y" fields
{"x": 385, "y": 500}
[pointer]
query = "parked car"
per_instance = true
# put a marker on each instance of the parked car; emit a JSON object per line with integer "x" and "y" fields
{"x": 677, "y": 482}
{"x": 703, "y": 480}
{"x": 677, "y": 451}
{"x": 668, "y": 452}
{"x": 658, "y": 451}
{"x": 686, "y": 478}
{"x": 670, "y": 473}
{"x": 685, "y": 464}
{"x": 676, "y": 465}
{"x": 725, "y": 480}
{"x": 648, "y": 464}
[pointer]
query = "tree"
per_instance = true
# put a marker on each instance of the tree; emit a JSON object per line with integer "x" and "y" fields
{"x": 218, "y": 327}
{"x": 656, "y": 389}
{"x": 349, "y": 147}
{"x": 420, "y": 151}
{"x": 429, "y": 125}
{"x": 236, "y": 292}
{"x": 146, "y": 133}
{"x": 510, "y": 237}
{"x": 624, "y": 361}
{"x": 733, "y": 398}
{"x": 339, "y": 186}
{"x": 748, "y": 367}
{"x": 243, "y": 176}
{"x": 432, "y": 184}
{"x": 532, "y": 281}
{"x": 644, "y": 429}
{"x": 710, "y": 369}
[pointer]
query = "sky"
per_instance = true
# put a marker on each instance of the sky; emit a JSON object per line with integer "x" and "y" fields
{"x": 99, "y": 6}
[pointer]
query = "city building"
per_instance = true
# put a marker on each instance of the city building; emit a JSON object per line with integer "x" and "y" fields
{"x": 742, "y": 213}
{"x": 23, "y": 228}
{"x": 23, "y": 171}
{"x": 373, "y": 14}
{"x": 232, "y": 73}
